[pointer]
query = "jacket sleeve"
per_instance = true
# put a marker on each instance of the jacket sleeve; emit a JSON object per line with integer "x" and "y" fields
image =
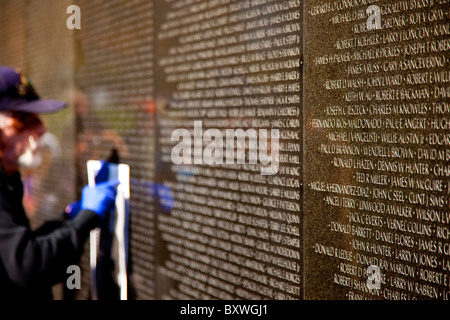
{"x": 34, "y": 258}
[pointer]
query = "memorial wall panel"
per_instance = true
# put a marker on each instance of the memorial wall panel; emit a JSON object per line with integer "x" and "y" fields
{"x": 115, "y": 111}
{"x": 377, "y": 150}
{"x": 228, "y": 228}
{"x": 279, "y": 149}
{"x": 13, "y": 33}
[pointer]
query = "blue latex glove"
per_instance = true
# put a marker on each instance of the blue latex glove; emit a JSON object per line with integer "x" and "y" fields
{"x": 101, "y": 198}
{"x": 102, "y": 175}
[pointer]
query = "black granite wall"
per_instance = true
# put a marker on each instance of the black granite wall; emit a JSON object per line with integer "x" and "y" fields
{"x": 345, "y": 101}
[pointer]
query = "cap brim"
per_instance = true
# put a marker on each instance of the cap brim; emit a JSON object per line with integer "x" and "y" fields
{"x": 40, "y": 106}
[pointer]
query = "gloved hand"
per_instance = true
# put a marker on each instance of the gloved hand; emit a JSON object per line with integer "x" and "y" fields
{"x": 100, "y": 198}
{"x": 102, "y": 175}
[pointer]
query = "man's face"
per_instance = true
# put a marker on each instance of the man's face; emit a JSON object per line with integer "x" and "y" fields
{"x": 16, "y": 134}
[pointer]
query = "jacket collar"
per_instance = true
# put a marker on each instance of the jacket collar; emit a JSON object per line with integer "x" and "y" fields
{"x": 9, "y": 180}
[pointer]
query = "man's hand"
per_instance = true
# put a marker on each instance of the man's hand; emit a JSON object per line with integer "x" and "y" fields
{"x": 101, "y": 198}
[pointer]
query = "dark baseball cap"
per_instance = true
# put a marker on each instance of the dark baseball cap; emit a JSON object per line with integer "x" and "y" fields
{"x": 17, "y": 94}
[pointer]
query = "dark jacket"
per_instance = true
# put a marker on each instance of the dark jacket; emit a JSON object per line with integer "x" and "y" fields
{"x": 32, "y": 261}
